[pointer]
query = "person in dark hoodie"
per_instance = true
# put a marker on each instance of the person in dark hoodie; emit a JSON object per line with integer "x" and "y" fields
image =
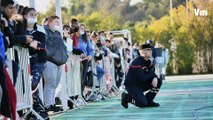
{"x": 57, "y": 55}
{"x": 8, "y": 102}
{"x": 9, "y": 31}
{"x": 38, "y": 57}
{"x": 141, "y": 77}
{"x": 13, "y": 34}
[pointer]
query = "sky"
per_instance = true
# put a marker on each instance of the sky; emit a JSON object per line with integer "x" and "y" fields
{"x": 45, "y": 3}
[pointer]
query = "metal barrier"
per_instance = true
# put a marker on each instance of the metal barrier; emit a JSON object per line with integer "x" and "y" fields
{"x": 9, "y": 62}
{"x": 70, "y": 83}
{"x": 113, "y": 82}
{"x": 23, "y": 84}
{"x": 103, "y": 85}
{"x": 122, "y": 87}
{"x": 94, "y": 90}
{"x": 73, "y": 79}
{"x": 110, "y": 75}
{"x": 108, "y": 78}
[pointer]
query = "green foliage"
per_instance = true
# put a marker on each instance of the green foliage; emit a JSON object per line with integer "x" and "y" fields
{"x": 150, "y": 20}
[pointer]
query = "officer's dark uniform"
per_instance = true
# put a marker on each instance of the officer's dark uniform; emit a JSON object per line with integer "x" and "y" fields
{"x": 138, "y": 80}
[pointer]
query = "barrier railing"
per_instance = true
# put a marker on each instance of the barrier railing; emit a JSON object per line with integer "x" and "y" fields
{"x": 9, "y": 62}
{"x": 95, "y": 90}
{"x": 70, "y": 80}
{"x": 73, "y": 79}
{"x": 113, "y": 82}
{"x": 23, "y": 83}
{"x": 103, "y": 84}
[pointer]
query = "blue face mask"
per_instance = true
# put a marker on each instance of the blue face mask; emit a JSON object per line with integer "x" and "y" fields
{"x": 82, "y": 32}
{"x": 102, "y": 38}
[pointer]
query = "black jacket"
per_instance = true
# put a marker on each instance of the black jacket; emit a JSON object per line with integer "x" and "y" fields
{"x": 38, "y": 55}
{"x": 140, "y": 72}
{"x": 10, "y": 38}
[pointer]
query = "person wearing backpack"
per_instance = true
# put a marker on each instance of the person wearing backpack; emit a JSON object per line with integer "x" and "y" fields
{"x": 56, "y": 56}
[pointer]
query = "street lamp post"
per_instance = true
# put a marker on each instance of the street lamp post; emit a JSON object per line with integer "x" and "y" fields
{"x": 187, "y": 11}
{"x": 171, "y": 11}
{"x": 32, "y": 3}
{"x": 173, "y": 50}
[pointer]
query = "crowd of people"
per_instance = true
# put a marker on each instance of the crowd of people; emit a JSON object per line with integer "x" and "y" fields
{"x": 49, "y": 51}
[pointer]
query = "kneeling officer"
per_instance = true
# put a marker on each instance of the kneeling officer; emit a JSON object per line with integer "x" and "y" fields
{"x": 141, "y": 77}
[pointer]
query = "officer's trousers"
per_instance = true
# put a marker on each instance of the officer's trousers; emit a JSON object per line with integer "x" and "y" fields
{"x": 136, "y": 93}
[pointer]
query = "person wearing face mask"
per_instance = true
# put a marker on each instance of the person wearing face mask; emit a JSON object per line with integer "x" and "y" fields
{"x": 10, "y": 31}
{"x": 85, "y": 44}
{"x": 56, "y": 57}
{"x": 66, "y": 36}
{"x": 13, "y": 34}
{"x": 38, "y": 57}
{"x": 102, "y": 39}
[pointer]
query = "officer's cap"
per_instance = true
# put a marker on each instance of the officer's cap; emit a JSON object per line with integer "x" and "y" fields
{"x": 146, "y": 46}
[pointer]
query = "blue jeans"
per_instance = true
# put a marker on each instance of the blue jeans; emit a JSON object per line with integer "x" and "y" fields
{"x": 100, "y": 72}
{"x": 37, "y": 70}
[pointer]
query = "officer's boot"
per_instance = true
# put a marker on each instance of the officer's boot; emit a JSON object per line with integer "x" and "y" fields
{"x": 152, "y": 93}
{"x": 150, "y": 96}
{"x": 125, "y": 99}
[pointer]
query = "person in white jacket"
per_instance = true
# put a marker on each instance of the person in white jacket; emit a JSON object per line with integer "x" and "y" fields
{"x": 161, "y": 60}
{"x": 165, "y": 54}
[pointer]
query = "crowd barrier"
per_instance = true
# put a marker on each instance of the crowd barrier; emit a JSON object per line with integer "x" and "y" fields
{"x": 104, "y": 82}
{"x": 23, "y": 82}
{"x": 94, "y": 90}
{"x": 9, "y": 62}
{"x": 70, "y": 82}
{"x": 113, "y": 82}
{"x": 73, "y": 80}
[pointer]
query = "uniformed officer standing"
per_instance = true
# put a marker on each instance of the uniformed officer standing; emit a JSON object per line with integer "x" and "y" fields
{"x": 141, "y": 77}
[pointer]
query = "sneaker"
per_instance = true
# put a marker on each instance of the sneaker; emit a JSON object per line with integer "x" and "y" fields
{"x": 31, "y": 116}
{"x": 100, "y": 96}
{"x": 153, "y": 104}
{"x": 70, "y": 104}
{"x": 53, "y": 108}
{"x": 92, "y": 98}
{"x": 40, "y": 109}
{"x": 44, "y": 115}
{"x": 124, "y": 103}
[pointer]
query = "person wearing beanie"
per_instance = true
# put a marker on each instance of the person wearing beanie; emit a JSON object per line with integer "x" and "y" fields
{"x": 141, "y": 77}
